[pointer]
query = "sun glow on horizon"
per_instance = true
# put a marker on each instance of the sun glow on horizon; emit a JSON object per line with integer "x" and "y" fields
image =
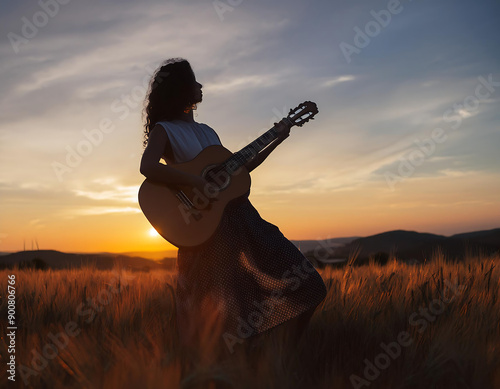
{"x": 153, "y": 233}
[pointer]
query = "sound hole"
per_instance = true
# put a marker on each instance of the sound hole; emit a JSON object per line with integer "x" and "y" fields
{"x": 217, "y": 177}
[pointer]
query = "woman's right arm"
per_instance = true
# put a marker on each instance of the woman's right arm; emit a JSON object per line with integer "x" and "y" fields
{"x": 151, "y": 167}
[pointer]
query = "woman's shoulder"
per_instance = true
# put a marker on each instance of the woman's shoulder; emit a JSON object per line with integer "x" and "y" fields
{"x": 179, "y": 122}
{"x": 215, "y": 136}
{"x": 206, "y": 126}
{"x": 184, "y": 124}
{"x": 166, "y": 122}
{"x": 171, "y": 125}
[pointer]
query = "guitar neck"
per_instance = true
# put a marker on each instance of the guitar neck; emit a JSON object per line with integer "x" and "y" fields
{"x": 248, "y": 152}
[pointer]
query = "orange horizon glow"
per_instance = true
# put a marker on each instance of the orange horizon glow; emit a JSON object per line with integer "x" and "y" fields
{"x": 300, "y": 216}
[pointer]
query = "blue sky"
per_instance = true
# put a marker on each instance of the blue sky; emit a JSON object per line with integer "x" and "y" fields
{"x": 256, "y": 60}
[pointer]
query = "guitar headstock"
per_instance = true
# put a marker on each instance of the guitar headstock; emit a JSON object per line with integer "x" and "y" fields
{"x": 302, "y": 113}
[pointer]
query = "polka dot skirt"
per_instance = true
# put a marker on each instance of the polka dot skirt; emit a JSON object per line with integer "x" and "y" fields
{"x": 245, "y": 280}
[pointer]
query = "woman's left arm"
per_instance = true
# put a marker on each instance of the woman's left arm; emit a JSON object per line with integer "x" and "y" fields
{"x": 284, "y": 132}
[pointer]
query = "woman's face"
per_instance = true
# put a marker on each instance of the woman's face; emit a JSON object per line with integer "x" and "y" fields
{"x": 197, "y": 91}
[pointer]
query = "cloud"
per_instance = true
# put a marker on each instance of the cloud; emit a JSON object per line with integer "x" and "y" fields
{"x": 94, "y": 211}
{"x": 110, "y": 192}
{"x": 243, "y": 83}
{"x": 338, "y": 80}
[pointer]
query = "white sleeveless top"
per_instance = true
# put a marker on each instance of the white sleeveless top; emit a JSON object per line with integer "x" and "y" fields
{"x": 189, "y": 138}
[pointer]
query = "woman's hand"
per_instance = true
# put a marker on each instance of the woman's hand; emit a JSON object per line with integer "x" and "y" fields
{"x": 283, "y": 133}
{"x": 283, "y": 130}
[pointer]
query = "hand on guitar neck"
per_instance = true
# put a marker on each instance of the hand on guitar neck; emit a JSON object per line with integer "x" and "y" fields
{"x": 283, "y": 132}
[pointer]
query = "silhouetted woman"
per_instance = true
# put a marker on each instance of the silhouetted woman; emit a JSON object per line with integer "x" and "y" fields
{"x": 248, "y": 278}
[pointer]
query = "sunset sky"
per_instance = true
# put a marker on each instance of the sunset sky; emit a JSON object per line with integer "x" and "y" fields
{"x": 407, "y": 136}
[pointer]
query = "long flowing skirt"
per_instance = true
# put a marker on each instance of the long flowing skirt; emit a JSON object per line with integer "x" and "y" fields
{"x": 246, "y": 279}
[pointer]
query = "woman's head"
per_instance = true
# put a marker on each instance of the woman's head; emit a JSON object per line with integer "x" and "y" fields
{"x": 173, "y": 91}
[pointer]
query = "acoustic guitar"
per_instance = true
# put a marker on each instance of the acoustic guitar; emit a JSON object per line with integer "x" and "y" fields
{"x": 185, "y": 216}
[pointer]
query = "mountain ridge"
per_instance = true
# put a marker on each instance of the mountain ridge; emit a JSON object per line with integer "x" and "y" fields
{"x": 421, "y": 246}
{"x": 61, "y": 260}
{"x": 405, "y": 244}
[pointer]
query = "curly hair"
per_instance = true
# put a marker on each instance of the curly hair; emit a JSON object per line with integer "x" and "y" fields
{"x": 169, "y": 94}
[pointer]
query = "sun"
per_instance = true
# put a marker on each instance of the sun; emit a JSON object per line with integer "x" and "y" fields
{"x": 153, "y": 233}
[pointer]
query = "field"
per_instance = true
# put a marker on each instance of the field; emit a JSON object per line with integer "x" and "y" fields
{"x": 435, "y": 325}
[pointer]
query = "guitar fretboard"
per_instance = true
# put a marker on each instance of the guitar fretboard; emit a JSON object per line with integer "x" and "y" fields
{"x": 246, "y": 154}
{"x": 240, "y": 158}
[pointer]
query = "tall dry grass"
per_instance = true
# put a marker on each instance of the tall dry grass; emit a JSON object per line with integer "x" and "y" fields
{"x": 132, "y": 341}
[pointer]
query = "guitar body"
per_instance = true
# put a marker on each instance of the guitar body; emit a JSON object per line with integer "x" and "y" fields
{"x": 185, "y": 226}
{"x": 186, "y": 217}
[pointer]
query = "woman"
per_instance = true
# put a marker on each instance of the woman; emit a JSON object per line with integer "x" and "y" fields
{"x": 248, "y": 278}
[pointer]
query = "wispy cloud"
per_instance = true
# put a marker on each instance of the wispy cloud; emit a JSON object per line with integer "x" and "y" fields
{"x": 92, "y": 211}
{"x": 338, "y": 80}
{"x": 119, "y": 193}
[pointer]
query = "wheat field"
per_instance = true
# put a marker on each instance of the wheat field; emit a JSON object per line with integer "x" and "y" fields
{"x": 435, "y": 325}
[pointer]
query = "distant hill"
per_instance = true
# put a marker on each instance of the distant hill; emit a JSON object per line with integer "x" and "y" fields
{"x": 309, "y": 245}
{"x": 155, "y": 255}
{"x": 59, "y": 260}
{"x": 489, "y": 237}
{"x": 404, "y": 244}
{"x": 398, "y": 240}
{"x": 416, "y": 245}
{"x": 56, "y": 258}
